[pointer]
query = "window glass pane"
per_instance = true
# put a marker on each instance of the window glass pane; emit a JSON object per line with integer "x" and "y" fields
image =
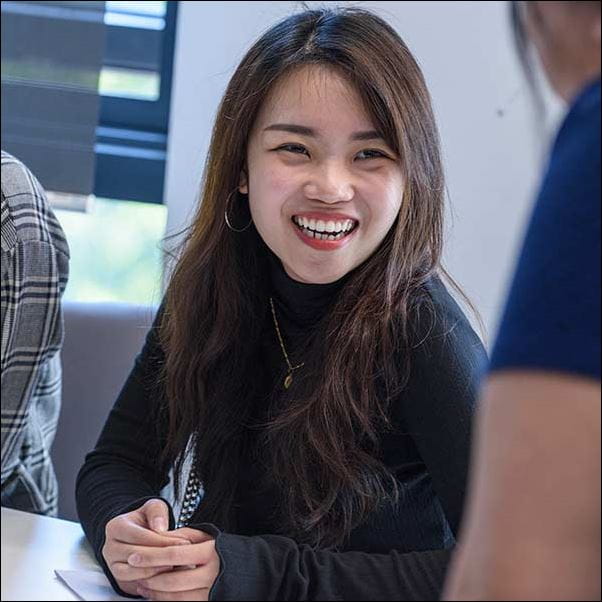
{"x": 134, "y": 42}
{"x": 129, "y": 83}
{"x": 146, "y": 15}
{"x": 153, "y": 9}
{"x": 115, "y": 251}
{"x": 129, "y": 20}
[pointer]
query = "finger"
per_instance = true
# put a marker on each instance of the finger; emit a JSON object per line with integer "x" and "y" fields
{"x": 157, "y": 515}
{"x": 200, "y": 553}
{"x": 131, "y": 533}
{"x": 120, "y": 552}
{"x": 181, "y": 581}
{"x": 192, "y": 535}
{"x": 129, "y": 588}
{"x": 123, "y": 572}
{"x": 196, "y": 594}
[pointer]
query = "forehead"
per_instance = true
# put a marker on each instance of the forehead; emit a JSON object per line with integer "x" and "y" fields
{"x": 315, "y": 96}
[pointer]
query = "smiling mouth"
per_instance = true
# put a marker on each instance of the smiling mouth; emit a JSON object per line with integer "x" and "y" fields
{"x": 325, "y": 230}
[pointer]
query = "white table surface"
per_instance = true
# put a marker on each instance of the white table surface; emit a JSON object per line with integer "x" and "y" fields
{"x": 32, "y": 548}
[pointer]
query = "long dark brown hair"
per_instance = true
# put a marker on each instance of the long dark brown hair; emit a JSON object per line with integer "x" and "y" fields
{"x": 323, "y": 442}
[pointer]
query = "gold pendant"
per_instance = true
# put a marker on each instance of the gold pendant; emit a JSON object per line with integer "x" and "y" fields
{"x": 288, "y": 381}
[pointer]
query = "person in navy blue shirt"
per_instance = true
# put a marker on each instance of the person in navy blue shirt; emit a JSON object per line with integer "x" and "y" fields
{"x": 532, "y": 526}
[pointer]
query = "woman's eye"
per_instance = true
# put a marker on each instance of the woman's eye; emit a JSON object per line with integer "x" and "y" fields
{"x": 371, "y": 153}
{"x": 294, "y": 148}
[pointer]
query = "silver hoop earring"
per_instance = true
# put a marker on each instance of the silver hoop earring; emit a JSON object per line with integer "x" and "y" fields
{"x": 228, "y": 221}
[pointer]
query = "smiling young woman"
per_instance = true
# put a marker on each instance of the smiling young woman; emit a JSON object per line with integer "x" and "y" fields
{"x": 307, "y": 363}
{"x": 319, "y": 168}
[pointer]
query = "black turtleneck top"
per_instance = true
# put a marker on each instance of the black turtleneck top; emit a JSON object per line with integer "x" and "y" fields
{"x": 400, "y": 552}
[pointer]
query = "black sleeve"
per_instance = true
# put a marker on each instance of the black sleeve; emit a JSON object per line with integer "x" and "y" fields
{"x": 272, "y": 567}
{"x": 122, "y": 472}
{"x": 438, "y": 404}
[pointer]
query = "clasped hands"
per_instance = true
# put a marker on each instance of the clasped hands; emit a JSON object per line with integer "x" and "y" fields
{"x": 148, "y": 560}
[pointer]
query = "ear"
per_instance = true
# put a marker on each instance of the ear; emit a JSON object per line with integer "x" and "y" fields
{"x": 243, "y": 184}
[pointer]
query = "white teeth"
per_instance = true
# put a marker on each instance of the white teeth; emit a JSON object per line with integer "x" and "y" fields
{"x": 322, "y": 230}
{"x": 324, "y": 226}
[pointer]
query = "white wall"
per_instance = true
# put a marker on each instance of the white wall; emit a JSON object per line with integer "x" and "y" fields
{"x": 465, "y": 51}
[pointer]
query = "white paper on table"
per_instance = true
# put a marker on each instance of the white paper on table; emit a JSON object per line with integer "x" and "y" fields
{"x": 89, "y": 585}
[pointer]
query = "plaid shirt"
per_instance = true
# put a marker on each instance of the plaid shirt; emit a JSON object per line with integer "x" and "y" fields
{"x": 35, "y": 264}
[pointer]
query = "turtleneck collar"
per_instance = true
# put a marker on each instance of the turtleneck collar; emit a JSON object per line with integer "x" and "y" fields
{"x": 301, "y": 305}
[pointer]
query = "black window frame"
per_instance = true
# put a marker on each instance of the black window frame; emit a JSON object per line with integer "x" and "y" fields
{"x": 131, "y": 137}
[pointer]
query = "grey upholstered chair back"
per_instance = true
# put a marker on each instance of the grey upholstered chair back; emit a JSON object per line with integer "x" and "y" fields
{"x": 101, "y": 344}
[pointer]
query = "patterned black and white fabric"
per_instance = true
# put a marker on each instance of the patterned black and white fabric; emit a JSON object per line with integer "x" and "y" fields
{"x": 35, "y": 267}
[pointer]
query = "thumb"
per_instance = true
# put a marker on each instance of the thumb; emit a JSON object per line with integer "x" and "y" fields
{"x": 192, "y": 535}
{"x": 156, "y": 513}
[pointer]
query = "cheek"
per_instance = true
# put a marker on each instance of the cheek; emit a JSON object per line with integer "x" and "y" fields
{"x": 387, "y": 219}
{"x": 384, "y": 205}
{"x": 269, "y": 189}
{"x": 278, "y": 183}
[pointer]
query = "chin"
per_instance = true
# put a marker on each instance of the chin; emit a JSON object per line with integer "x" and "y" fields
{"x": 317, "y": 274}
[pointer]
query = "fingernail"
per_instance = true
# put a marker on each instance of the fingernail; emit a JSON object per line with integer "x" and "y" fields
{"x": 134, "y": 559}
{"x": 159, "y": 524}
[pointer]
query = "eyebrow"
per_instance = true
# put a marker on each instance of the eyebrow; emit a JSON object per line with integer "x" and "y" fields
{"x": 303, "y": 130}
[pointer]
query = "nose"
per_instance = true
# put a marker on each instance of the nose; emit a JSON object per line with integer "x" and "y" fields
{"x": 331, "y": 183}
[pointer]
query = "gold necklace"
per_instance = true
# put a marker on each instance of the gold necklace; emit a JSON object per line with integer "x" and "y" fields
{"x": 289, "y": 377}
